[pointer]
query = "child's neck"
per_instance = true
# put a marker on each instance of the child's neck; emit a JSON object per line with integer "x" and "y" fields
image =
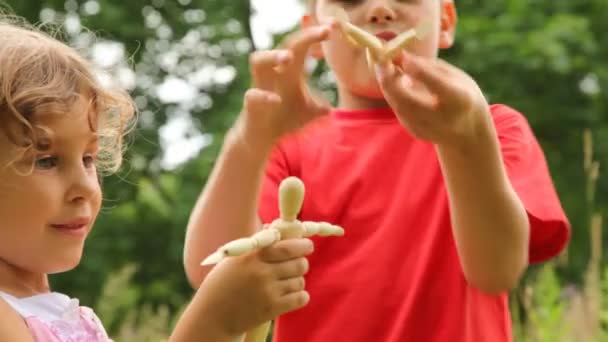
{"x": 21, "y": 283}
{"x": 349, "y": 100}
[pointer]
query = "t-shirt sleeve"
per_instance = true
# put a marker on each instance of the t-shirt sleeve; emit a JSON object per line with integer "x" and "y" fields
{"x": 277, "y": 169}
{"x": 530, "y": 177}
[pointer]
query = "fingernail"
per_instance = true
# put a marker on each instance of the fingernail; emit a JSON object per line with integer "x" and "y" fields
{"x": 312, "y": 245}
{"x": 407, "y": 81}
{"x": 306, "y": 296}
{"x": 282, "y": 56}
{"x": 380, "y": 70}
{"x": 331, "y": 23}
{"x": 273, "y": 98}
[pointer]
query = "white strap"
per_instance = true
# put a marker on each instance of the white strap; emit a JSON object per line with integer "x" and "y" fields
{"x": 16, "y": 304}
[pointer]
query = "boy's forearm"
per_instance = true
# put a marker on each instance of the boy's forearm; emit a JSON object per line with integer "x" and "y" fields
{"x": 491, "y": 227}
{"x": 227, "y": 208}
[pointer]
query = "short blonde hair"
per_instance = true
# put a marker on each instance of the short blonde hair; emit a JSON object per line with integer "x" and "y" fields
{"x": 40, "y": 75}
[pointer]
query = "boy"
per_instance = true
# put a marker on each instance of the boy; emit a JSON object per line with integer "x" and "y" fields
{"x": 444, "y": 199}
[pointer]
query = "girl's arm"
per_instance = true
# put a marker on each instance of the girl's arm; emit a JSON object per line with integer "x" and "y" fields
{"x": 245, "y": 291}
{"x": 12, "y": 326}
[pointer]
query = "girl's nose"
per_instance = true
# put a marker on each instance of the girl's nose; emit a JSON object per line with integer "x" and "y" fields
{"x": 83, "y": 186}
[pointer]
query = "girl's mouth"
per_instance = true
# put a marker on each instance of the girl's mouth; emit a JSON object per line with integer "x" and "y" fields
{"x": 77, "y": 227}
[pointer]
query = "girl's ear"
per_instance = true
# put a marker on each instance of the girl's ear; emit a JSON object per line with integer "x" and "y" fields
{"x": 306, "y": 22}
{"x": 449, "y": 18}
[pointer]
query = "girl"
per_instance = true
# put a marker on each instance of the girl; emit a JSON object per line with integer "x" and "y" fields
{"x": 58, "y": 129}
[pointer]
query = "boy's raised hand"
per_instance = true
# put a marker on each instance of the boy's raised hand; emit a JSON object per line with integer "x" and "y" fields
{"x": 280, "y": 100}
{"x": 434, "y": 100}
{"x": 256, "y": 287}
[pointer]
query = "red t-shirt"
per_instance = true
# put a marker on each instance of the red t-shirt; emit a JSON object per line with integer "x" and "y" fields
{"x": 396, "y": 276}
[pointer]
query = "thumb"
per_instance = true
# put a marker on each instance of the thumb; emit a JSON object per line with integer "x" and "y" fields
{"x": 391, "y": 80}
{"x": 385, "y": 73}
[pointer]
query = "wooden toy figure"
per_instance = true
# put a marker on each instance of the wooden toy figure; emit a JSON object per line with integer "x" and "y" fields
{"x": 377, "y": 51}
{"x": 287, "y": 226}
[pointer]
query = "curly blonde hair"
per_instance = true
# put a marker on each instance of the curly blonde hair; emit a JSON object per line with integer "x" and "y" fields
{"x": 40, "y": 76}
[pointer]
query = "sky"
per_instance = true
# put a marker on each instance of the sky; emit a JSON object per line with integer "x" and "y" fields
{"x": 273, "y": 16}
{"x": 270, "y": 16}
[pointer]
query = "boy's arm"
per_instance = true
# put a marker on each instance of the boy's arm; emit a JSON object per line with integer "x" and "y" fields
{"x": 279, "y": 103}
{"x": 227, "y": 208}
{"x": 490, "y": 224}
{"x": 440, "y": 103}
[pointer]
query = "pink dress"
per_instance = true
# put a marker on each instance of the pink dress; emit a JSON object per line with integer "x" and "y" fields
{"x": 55, "y": 317}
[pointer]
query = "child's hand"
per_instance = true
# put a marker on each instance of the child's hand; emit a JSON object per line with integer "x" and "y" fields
{"x": 434, "y": 100}
{"x": 280, "y": 100}
{"x": 254, "y": 288}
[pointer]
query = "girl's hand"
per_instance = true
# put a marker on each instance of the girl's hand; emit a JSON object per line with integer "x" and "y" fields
{"x": 246, "y": 291}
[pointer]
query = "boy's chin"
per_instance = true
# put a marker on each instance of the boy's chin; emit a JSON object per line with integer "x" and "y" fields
{"x": 372, "y": 92}
{"x": 376, "y": 94}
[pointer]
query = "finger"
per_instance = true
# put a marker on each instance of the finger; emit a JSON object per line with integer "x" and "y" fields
{"x": 292, "y": 301}
{"x": 291, "y": 285}
{"x": 301, "y": 41}
{"x": 265, "y": 65}
{"x": 433, "y": 74}
{"x": 286, "y": 250}
{"x": 259, "y": 101}
{"x": 292, "y": 268}
{"x": 401, "y": 92}
{"x": 386, "y": 74}
{"x": 412, "y": 100}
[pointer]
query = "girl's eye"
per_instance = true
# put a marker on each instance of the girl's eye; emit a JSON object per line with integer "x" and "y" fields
{"x": 45, "y": 163}
{"x": 89, "y": 160}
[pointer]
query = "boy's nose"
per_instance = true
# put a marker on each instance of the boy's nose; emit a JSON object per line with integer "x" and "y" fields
{"x": 380, "y": 12}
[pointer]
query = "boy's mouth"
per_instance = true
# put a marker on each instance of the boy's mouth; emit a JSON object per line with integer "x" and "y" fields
{"x": 386, "y": 35}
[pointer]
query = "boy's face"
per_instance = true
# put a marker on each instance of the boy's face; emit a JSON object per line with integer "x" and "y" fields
{"x": 50, "y": 198}
{"x": 384, "y": 18}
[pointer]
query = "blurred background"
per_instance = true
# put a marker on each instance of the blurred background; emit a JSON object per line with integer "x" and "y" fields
{"x": 185, "y": 63}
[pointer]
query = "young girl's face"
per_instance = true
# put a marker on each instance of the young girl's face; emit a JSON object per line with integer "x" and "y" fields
{"x": 46, "y": 214}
